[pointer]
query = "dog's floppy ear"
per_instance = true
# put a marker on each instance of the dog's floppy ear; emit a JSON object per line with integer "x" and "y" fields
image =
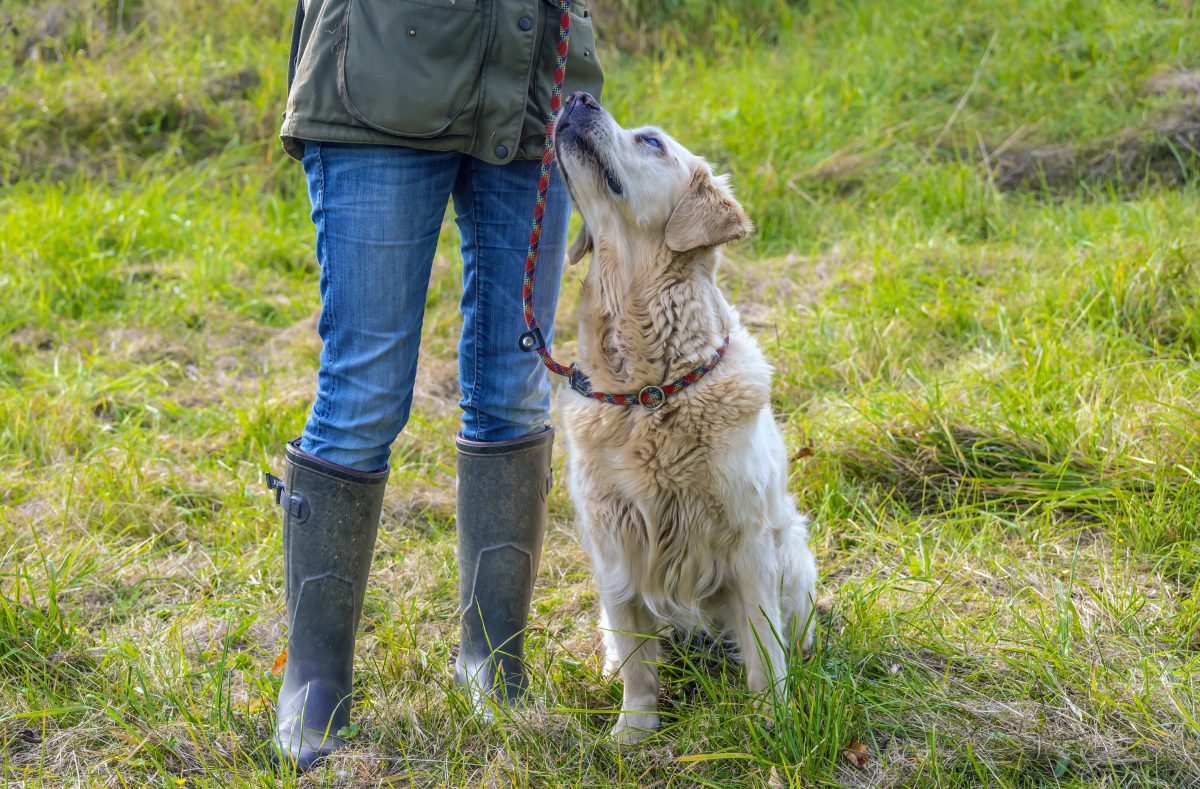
{"x": 580, "y": 246}
{"x": 707, "y": 216}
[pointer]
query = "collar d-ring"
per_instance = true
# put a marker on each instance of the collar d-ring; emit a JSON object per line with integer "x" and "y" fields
{"x": 651, "y": 397}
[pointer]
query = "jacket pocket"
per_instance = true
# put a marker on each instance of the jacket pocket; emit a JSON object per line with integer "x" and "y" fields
{"x": 582, "y": 57}
{"x": 409, "y": 67}
{"x": 583, "y": 65}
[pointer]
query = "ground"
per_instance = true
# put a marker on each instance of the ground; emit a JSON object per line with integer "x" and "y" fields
{"x": 976, "y": 275}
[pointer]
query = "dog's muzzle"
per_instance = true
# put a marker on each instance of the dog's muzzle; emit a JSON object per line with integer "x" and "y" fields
{"x": 575, "y": 133}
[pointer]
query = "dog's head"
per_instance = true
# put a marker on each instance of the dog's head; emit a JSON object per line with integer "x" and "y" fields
{"x": 641, "y": 182}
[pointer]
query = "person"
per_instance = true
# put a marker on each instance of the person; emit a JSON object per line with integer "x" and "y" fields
{"x": 394, "y": 107}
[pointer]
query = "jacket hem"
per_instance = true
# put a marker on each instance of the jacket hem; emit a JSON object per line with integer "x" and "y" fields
{"x": 294, "y": 132}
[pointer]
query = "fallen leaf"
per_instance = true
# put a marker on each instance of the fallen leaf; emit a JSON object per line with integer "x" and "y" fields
{"x": 804, "y": 452}
{"x": 856, "y": 754}
{"x": 280, "y": 662}
{"x": 774, "y": 781}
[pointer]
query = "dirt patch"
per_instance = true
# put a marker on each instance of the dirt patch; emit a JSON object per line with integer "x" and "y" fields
{"x": 840, "y": 174}
{"x": 1181, "y": 81}
{"x": 763, "y": 290}
{"x": 142, "y": 345}
{"x": 209, "y": 636}
{"x": 410, "y": 506}
{"x": 30, "y": 338}
{"x": 238, "y": 85}
{"x": 1165, "y": 151}
{"x": 33, "y": 511}
{"x": 298, "y": 343}
{"x": 436, "y": 389}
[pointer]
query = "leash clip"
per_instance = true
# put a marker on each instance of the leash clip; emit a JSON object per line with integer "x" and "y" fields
{"x": 578, "y": 381}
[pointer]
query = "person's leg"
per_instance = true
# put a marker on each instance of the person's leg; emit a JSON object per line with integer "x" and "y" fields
{"x": 504, "y": 449}
{"x": 505, "y": 391}
{"x": 377, "y": 211}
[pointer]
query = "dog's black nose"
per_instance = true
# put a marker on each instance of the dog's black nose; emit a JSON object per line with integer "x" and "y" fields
{"x": 584, "y": 98}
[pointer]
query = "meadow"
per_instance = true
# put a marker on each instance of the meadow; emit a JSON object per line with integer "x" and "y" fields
{"x": 976, "y": 271}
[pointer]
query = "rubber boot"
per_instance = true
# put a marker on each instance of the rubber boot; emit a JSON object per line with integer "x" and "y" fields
{"x": 330, "y": 518}
{"x": 502, "y": 490}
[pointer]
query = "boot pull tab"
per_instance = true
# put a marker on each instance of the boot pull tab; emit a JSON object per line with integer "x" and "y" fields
{"x": 275, "y": 484}
{"x": 293, "y": 505}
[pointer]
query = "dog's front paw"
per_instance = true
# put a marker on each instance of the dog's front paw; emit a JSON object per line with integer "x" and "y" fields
{"x": 632, "y": 728}
{"x": 767, "y": 704}
{"x": 808, "y": 637}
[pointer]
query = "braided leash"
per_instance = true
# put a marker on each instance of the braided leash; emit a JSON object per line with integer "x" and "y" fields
{"x": 650, "y": 397}
{"x": 533, "y": 340}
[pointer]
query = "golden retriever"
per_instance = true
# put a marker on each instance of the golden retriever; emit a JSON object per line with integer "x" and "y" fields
{"x": 684, "y": 510}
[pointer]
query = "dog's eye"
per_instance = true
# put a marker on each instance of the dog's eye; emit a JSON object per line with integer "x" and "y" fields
{"x": 653, "y": 142}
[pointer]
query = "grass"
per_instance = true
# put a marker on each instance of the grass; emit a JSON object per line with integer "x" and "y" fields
{"x": 996, "y": 378}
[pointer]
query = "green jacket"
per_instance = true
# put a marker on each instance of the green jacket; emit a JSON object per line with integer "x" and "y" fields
{"x": 444, "y": 75}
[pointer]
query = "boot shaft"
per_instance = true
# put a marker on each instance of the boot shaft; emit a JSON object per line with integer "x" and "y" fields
{"x": 502, "y": 511}
{"x": 330, "y": 520}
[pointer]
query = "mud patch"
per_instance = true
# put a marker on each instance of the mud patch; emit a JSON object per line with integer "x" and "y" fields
{"x": 1164, "y": 152}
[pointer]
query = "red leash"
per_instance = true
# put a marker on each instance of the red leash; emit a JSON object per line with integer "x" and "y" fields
{"x": 649, "y": 397}
{"x": 533, "y": 340}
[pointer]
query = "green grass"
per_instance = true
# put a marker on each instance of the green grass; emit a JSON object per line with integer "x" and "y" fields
{"x": 999, "y": 387}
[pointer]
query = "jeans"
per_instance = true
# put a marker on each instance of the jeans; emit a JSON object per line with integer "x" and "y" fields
{"x": 378, "y": 211}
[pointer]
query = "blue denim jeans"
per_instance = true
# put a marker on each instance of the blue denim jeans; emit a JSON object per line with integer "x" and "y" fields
{"x": 378, "y": 211}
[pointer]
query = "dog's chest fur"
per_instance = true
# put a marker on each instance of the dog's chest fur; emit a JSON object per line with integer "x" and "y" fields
{"x": 658, "y": 486}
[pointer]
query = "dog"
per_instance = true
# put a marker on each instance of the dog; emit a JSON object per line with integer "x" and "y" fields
{"x": 681, "y": 501}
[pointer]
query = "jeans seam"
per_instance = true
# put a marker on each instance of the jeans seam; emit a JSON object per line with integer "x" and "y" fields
{"x": 480, "y": 418}
{"x": 326, "y": 304}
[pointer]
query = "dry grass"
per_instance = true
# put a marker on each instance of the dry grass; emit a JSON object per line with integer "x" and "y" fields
{"x": 992, "y": 397}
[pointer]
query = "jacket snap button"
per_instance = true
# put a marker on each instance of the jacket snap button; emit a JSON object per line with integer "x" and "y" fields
{"x": 525, "y": 23}
{"x": 501, "y": 151}
{"x": 412, "y": 31}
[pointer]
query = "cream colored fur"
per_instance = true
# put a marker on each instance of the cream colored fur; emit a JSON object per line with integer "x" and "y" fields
{"x": 684, "y": 512}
